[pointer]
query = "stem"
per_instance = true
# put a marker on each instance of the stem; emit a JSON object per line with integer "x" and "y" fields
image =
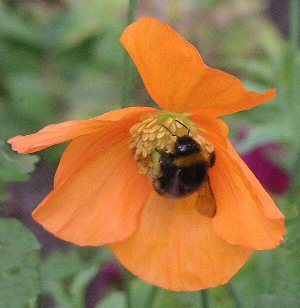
{"x": 151, "y": 297}
{"x": 127, "y": 278}
{"x": 294, "y": 37}
{"x": 292, "y": 58}
{"x": 292, "y": 96}
{"x": 235, "y": 295}
{"x": 204, "y": 299}
{"x": 295, "y": 185}
{"x": 126, "y": 99}
{"x": 128, "y": 68}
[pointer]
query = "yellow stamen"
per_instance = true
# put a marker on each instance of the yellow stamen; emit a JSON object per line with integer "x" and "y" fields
{"x": 159, "y": 133}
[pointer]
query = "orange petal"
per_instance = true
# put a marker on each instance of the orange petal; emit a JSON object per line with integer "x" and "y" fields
{"x": 177, "y": 78}
{"x": 175, "y": 247}
{"x": 265, "y": 203}
{"x": 240, "y": 217}
{"x": 217, "y": 133}
{"x": 58, "y": 133}
{"x": 206, "y": 204}
{"x": 214, "y": 129}
{"x": 84, "y": 149}
{"x": 101, "y": 202}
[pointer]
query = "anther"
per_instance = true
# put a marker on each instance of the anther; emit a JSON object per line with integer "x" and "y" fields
{"x": 159, "y": 133}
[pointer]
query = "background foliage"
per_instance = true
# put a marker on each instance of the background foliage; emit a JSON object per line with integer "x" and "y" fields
{"x": 62, "y": 60}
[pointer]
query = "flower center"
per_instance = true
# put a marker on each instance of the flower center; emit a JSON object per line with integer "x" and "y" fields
{"x": 159, "y": 134}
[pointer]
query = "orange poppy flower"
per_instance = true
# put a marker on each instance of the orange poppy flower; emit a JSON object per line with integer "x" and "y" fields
{"x": 108, "y": 188}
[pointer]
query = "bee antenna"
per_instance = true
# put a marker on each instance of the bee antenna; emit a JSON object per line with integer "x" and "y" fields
{"x": 169, "y": 131}
{"x": 188, "y": 130}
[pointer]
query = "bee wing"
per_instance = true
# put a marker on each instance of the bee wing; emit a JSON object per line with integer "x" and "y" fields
{"x": 206, "y": 204}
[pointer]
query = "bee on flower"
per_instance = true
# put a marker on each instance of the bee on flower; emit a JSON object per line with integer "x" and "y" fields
{"x": 163, "y": 188}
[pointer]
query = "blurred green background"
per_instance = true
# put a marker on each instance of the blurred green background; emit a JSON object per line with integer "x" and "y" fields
{"x": 61, "y": 60}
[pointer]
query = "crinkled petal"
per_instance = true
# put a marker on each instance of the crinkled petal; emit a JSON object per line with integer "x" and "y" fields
{"x": 246, "y": 215}
{"x": 58, "y": 133}
{"x": 241, "y": 213}
{"x": 265, "y": 203}
{"x": 177, "y": 78}
{"x": 175, "y": 247}
{"x": 206, "y": 204}
{"x": 99, "y": 203}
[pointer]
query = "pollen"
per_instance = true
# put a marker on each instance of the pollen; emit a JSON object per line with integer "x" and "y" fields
{"x": 159, "y": 133}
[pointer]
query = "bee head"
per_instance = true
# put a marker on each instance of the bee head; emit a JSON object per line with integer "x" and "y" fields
{"x": 186, "y": 145}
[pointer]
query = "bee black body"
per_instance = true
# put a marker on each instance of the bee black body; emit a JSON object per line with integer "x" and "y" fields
{"x": 183, "y": 171}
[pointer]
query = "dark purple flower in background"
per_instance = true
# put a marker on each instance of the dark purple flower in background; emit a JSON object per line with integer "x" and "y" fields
{"x": 263, "y": 160}
{"x": 274, "y": 178}
{"x": 110, "y": 275}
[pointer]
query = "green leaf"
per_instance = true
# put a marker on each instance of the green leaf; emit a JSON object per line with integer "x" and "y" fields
{"x": 147, "y": 295}
{"x": 65, "y": 276}
{"x": 85, "y": 21}
{"x": 272, "y": 44}
{"x": 220, "y": 297}
{"x": 19, "y": 263}
{"x": 259, "y": 71}
{"x": 13, "y": 28}
{"x": 260, "y": 135}
{"x": 30, "y": 99}
{"x": 271, "y": 279}
{"x": 114, "y": 300}
{"x": 79, "y": 284}
{"x": 14, "y": 167}
{"x": 172, "y": 299}
{"x": 140, "y": 292}
{"x": 189, "y": 298}
{"x": 55, "y": 269}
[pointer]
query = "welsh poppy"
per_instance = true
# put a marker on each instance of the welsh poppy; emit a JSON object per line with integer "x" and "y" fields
{"x": 104, "y": 188}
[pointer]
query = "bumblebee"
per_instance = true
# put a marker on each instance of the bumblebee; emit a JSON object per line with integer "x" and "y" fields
{"x": 183, "y": 171}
